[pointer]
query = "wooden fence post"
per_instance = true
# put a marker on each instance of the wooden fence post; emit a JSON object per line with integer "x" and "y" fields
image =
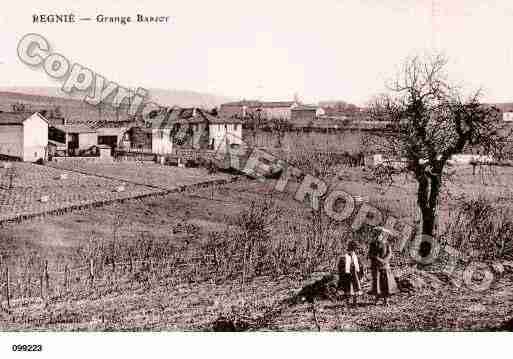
{"x": 113, "y": 275}
{"x": 91, "y": 272}
{"x": 7, "y": 286}
{"x": 41, "y": 287}
{"x": 66, "y": 279}
{"x": 28, "y": 278}
{"x": 47, "y": 280}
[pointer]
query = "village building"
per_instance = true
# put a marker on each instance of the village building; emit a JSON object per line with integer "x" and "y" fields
{"x": 277, "y": 109}
{"x": 185, "y": 128}
{"x": 506, "y": 110}
{"x": 80, "y": 138}
{"x": 56, "y": 148}
{"x": 263, "y": 109}
{"x": 224, "y": 133}
{"x": 303, "y": 116}
{"x": 23, "y": 137}
{"x": 114, "y": 137}
{"x": 240, "y": 109}
{"x": 77, "y": 137}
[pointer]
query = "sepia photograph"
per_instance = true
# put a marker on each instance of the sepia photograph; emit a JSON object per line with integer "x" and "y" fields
{"x": 301, "y": 172}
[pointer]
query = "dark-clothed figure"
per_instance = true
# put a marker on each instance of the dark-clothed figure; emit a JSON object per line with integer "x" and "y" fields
{"x": 383, "y": 281}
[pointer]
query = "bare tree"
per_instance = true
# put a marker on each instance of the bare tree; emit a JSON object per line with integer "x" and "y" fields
{"x": 430, "y": 121}
{"x": 280, "y": 126}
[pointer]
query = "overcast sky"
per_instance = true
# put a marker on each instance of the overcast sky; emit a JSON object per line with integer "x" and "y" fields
{"x": 322, "y": 50}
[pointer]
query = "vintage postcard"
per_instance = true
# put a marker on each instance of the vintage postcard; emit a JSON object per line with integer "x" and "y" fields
{"x": 335, "y": 166}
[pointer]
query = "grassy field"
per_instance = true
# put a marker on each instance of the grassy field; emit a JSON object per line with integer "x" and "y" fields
{"x": 177, "y": 283}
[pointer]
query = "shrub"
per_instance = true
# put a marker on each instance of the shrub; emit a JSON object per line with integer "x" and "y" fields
{"x": 481, "y": 229}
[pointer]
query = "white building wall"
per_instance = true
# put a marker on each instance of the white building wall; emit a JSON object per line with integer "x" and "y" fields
{"x": 11, "y": 140}
{"x": 224, "y": 134}
{"x": 277, "y": 113}
{"x": 507, "y": 116}
{"x": 161, "y": 142}
{"x": 199, "y": 130}
{"x": 86, "y": 140}
{"x": 35, "y": 138}
{"x": 320, "y": 112}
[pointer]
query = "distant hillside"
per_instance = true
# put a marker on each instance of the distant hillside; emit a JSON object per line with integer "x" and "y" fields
{"x": 75, "y": 110}
{"x": 72, "y": 109}
{"x": 187, "y": 98}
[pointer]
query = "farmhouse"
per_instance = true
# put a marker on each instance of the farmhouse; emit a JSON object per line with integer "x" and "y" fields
{"x": 185, "y": 128}
{"x": 224, "y": 133}
{"x": 77, "y": 137}
{"x": 23, "y": 136}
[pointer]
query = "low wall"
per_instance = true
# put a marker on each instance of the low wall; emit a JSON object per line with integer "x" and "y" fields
{"x": 79, "y": 158}
{"x": 134, "y": 156}
{"x": 189, "y": 154}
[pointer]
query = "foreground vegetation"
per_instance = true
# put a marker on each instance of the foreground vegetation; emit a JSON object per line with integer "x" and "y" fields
{"x": 239, "y": 251}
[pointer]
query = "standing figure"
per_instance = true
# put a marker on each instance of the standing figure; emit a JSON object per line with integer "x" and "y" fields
{"x": 383, "y": 281}
{"x": 350, "y": 271}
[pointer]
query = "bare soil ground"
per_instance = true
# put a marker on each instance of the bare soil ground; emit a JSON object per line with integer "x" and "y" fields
{"x": 86, "y": 183}
{"x": 31, "y": 182}
{"x": 170, "y": 305}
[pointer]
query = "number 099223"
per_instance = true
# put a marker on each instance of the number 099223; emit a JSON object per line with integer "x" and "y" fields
{"x": 27, "y": 348}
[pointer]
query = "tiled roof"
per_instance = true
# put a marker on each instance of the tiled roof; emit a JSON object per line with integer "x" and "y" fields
{"x": 111, "y": 131}
{"x": 260, "y": 104}
{"x": 277, "y": 104}
{"x": 304, "y": 108}
{"x": 187, "y": 116}
{"x": 75, "y": 128}
{"x": 113, "y": 124}
{"x": 221, "y": 120}
{"x": 248, "y": 103}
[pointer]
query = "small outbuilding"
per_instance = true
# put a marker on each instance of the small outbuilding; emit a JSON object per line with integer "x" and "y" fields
{"x": 104, "y": 152}
{"x": 23, "y": 136}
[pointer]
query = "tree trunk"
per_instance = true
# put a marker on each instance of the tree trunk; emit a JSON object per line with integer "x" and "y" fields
{"x": 427, "y": 200}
